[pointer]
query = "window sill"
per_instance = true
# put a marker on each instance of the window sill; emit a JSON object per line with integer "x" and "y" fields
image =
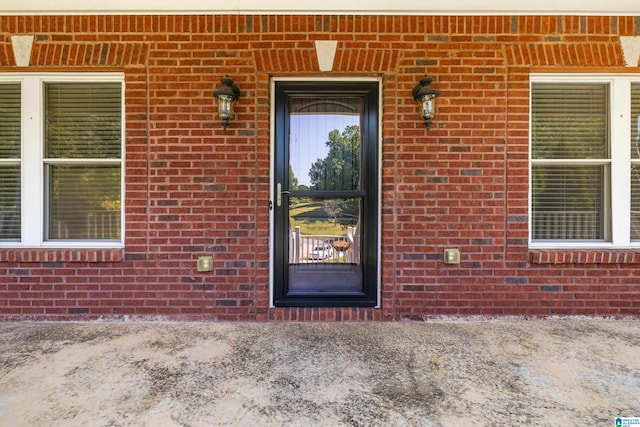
{"x": 62, "y": 255}
{"x": 584, "y": 256}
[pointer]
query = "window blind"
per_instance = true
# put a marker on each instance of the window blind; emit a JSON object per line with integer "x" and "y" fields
{"x": 570, "y": 120}
{"x": 635, "y": 161}
{"x": 85, "y": 202}
{"x": 9, "y": 161}
{"x": 82, "y": 164}
{"x": 570, "y": 125}
{"x": 9, "y": 121}
{"x": 83, "y": 120}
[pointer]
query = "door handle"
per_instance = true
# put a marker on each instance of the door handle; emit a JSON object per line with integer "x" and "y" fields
{"x": 279, "y": 194}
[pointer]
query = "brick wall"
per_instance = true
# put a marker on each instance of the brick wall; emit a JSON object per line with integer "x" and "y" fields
{"x": 193, "y": 189}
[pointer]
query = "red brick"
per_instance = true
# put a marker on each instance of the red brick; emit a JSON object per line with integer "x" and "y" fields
{"x": 432, "y": 195}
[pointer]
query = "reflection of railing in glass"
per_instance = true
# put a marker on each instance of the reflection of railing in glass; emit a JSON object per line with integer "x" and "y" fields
{"x": 99, "y": 226}
{"x": 635, "y": 225}
{"x": 10, "y": 224}
{"x": 555, "y": 225}
{"x": 344, "y": 249}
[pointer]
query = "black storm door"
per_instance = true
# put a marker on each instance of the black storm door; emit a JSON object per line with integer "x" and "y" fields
{"x": 326, "y": 194}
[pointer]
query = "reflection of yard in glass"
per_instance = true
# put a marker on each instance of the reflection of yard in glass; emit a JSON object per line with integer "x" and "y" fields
{"x": 314, "y": 220}
{"x": 320, "y": 236}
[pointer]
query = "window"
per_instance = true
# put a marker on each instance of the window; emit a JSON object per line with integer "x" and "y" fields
{"x": 61, "y": 151}
{"x": 585, "y": 161}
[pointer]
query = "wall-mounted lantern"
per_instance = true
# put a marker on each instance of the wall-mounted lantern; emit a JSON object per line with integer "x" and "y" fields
{"x": 227, "y": 95}
{"x": 426, "y": 97}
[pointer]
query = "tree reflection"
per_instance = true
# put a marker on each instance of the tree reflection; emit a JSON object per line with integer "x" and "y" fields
{"x": 340, "y": 169}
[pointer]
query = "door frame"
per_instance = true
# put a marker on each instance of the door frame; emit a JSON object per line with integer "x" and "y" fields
{"x": 272, "y": 153}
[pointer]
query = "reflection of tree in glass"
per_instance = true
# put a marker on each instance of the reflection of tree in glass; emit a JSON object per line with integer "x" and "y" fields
{"x": 331, "y": 207}
{"x": 340, "y": 169}
{"x": 293, "y": 181}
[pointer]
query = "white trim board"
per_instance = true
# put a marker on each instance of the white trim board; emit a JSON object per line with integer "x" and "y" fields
{"x": 333, "y": 7}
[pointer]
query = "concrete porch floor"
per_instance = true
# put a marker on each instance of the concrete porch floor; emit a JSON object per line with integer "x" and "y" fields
{"x": 440, "y": 373}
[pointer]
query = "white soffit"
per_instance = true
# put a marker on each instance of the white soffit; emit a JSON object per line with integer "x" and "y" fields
{"x": 333, "y": 7}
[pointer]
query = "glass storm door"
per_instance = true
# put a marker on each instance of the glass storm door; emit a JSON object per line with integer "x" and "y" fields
{"x": 326, "y": 194}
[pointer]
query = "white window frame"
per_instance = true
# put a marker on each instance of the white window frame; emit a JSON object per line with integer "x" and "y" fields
{"x": 32, "y": 161}
{"x": 620, "y": 166}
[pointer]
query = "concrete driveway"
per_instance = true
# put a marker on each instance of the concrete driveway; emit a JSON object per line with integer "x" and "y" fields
{"x": 571, "y": 372}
